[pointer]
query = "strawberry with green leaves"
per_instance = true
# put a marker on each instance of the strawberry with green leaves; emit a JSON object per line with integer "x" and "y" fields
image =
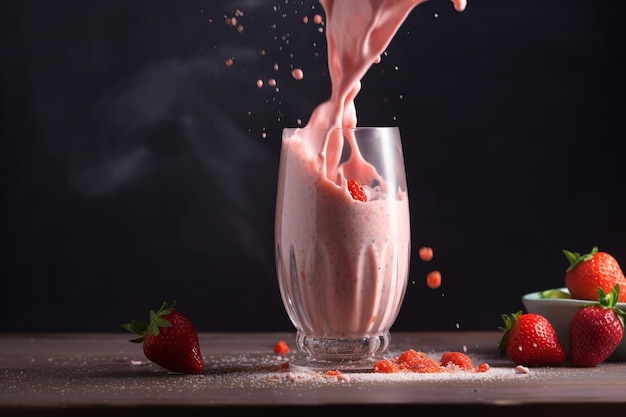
{"x": 596, "y": 330}
{"x": 530, "y": 340}
{"x": 169, "y": 340}
{"x": 589, "y": 271}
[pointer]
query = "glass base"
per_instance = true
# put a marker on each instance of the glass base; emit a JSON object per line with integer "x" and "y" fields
{"x": 310, "y": 364}
{"x": 358, "y": 354}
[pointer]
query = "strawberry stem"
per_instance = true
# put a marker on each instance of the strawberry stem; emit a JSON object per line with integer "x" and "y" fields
{"x": 610, "y": 301}
{"x": 509, "y": 322}
{"x": 575, "y": 258}
{"x": 157, "y": 321}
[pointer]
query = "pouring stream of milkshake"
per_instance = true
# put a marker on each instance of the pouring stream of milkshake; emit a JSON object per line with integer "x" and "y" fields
{"x": 357, "y": 34}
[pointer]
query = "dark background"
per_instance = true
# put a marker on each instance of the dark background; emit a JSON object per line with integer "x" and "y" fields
{"x": 134, "y": 167}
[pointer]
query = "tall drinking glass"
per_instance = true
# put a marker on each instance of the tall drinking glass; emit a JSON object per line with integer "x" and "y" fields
{"x": 342, "y": 238}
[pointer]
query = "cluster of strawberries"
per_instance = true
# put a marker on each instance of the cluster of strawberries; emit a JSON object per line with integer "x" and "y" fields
{"x": 170, "y": 339}
{"x": 595, "y": 330}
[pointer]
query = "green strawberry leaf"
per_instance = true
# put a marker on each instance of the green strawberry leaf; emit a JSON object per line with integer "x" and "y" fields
{"x": 575, "y": 258}
{"x": 509, "y": 322}
{"x": 157, "y": 320}
{"x": 609, "y": 301}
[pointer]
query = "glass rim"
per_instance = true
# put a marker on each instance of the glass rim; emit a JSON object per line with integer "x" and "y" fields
{"x": 324, "y": 129}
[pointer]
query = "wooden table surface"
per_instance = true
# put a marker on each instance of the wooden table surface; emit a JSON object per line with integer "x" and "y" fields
{"x": 105, "y": 374}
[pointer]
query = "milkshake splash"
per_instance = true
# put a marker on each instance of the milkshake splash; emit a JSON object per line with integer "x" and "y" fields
{"x": 357, "y": 34}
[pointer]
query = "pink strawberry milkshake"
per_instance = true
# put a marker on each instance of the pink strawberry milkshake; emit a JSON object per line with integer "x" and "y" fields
{"x": 343, "y": 264}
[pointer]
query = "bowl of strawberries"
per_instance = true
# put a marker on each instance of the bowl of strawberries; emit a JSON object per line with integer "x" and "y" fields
{"x": 594, "y": 282}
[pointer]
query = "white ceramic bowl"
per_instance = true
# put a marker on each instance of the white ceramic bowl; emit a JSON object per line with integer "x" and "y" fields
{"x": 560, "y": 311}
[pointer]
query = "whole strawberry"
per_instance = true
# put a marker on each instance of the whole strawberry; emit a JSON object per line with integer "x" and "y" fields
{"x": 529, "y": 339}
{"x": 596, "y": 330}
{"x": 592, "y": 270}
{"x": 169, "y": 340}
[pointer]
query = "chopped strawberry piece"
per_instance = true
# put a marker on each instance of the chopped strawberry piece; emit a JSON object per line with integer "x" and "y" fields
{"x": 483, "y": 367}
{"x": 356, "y": 190}
{"x": 433, "y": 279}
{"x": 385, "y": 366}
{"x": 458, "y": 359}
{"x": 426, "y": 253}
{"x": 418, "y": 362}
{"x": 281, "y": 348}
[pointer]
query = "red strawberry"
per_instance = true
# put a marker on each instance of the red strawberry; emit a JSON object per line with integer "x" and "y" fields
{"x": 356, "y": 190}
{"x": 592, "y": 270}
{"x": 529, "y": 339}
{"x": 169, "y": 340}
{"x": 596, "y": 330}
